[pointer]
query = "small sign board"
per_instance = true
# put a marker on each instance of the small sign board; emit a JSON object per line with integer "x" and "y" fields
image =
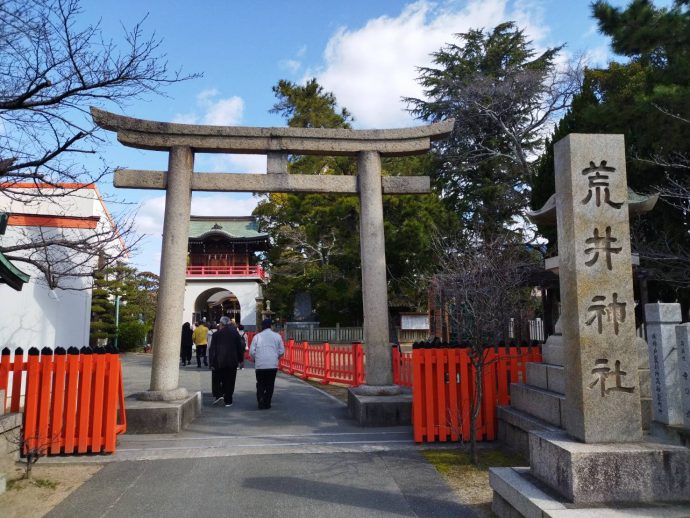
{"x": 414, "y": 321}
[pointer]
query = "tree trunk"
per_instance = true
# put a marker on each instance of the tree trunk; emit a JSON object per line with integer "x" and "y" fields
{"x": 476, "y": 407}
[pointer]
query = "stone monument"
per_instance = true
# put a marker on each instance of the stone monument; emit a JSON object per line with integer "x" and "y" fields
{"x": 602, "y": 459}
{"x": 683, "y": 341}
{"x": 662, "y": 320}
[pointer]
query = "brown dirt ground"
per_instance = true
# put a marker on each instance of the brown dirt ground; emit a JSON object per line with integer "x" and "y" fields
{"x": 338, "y": 391}
{"x": 49, "y": 485}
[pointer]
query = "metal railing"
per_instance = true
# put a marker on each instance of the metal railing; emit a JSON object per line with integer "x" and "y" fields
{"x": 346, "y": 335}
{"x": 226, "y": 271}
{"x": 324, "y": 334}
{"x": 536, "y": 330}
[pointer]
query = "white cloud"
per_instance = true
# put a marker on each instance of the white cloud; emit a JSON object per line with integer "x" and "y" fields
{"x": 221, "y": 163}
{"x": 598, "y": 56}
{"x": 369, "y": 69}
{"x": 223, "y": 204}
{"x": 185, "y": 118}
{"x": 225, "y": 112}
{"x": 214, "y": 111}
{"x": 205, "y": 97}
{"x": 290, "y": 65}
{"x": 149, "y": 220}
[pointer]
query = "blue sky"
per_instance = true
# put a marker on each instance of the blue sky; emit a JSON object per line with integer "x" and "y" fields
{"x": 365, "y": 52}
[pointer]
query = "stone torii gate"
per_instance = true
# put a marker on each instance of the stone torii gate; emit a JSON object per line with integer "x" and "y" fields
{"x": 182, "y": 141}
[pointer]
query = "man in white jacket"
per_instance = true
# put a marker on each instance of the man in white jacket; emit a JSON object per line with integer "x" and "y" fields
{"x": 266, "y": 349}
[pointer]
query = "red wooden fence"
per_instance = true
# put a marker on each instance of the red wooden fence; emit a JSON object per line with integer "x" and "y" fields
{"x": 444, "y": 385}
{"x": 443, "y": 382}
{"x": 73, "y": 403}
{"x": 324, "y": 362}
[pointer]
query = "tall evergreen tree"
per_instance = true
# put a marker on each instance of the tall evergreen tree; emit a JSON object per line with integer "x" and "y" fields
{"x": 647, "y": 99}
{"x": 502, "y": 96}
{"x": 137, "y": 293}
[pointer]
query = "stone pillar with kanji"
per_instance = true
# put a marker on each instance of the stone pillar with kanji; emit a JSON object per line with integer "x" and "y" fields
{"x": 601, "y": 458}
{"x": 602, "y": 393}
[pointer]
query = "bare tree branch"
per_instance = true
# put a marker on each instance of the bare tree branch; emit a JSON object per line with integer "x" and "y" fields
{"x": 53, "y": 65}
{"x": 483, "y": 284}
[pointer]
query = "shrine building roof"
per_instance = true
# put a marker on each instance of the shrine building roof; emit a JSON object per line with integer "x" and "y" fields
{"x": 637, "y": 204}
{"x": 9, "y": 273}
{"x": 242, "y": 228}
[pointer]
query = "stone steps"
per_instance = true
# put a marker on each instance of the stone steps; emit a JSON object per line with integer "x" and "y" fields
{"x": 546, "y": 376}
{"x": 543, "y": 404}
{"x": 514, "y": 426}
{"x": 553, "y": 351}
{"x": 517, "y": 493}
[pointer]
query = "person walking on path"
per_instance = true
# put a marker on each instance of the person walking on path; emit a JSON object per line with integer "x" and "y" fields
{"x": 266, "y": 349}
{"x": 243, "y": 336}
{"x": 186, "y": 343}
{"x": 200, "y": 337}
{"x": 224, "y": 354}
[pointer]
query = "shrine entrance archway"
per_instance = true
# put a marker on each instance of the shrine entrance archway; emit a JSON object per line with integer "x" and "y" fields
{"x": 183, "y": 141}
{"x": 215, "y": 303}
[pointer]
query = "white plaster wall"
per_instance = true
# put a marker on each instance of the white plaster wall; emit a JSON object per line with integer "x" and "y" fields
{"x": 81, "y": 203}
{"x": 35, "y": 318}
{"x": 246, "y": 292}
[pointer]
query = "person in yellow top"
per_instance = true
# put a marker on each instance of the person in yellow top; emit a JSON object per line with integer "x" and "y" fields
{"x": 201, "y": 341}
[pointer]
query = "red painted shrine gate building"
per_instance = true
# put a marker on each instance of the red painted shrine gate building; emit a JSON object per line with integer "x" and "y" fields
{"x": 223, "y": 276}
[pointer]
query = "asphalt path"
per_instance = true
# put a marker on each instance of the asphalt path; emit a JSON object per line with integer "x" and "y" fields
{"x": 303, "y": 457}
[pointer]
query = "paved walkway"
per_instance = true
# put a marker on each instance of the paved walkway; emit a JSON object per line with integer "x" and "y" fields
{"x": 303, "y": 457}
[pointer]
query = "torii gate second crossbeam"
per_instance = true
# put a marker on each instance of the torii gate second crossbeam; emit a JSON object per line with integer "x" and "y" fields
{"x": 182, "y": 141}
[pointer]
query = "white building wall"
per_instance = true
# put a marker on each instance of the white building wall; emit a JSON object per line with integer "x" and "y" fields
{"x": 246, "y": 292}
{"x": 37, "y": 316}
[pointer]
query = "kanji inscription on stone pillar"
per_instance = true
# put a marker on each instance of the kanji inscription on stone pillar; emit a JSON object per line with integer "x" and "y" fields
{"x": 602, "y": 396}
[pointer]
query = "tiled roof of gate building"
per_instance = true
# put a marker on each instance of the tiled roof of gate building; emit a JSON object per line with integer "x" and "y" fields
{"x": 234, "y": 227}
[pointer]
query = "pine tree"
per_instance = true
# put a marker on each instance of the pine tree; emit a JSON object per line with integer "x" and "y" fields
{"x": 647, "y": 99}
{"x": 501, "y": 95}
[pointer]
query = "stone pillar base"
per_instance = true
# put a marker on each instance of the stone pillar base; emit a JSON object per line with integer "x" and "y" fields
{"x": 517, "y": 493}
{"x": 177, "y": 394}
{"x": 566, "y": 473}
{"x": 670, "y": 434}
{"x": 389, "y": 405}
{"x": 161, "y": 416}
{"x": 611, "y": 472}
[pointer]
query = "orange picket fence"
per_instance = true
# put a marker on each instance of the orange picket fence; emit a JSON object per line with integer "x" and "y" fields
{"x": 444, "y": 385}
{"x": 325, "y": 362}
{"x": 73, "y": 400}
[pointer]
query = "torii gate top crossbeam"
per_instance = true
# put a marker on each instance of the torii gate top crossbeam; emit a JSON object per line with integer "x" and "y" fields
{"x": 162, "y": 136}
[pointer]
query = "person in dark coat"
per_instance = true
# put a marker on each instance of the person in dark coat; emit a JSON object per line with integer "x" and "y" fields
{"x": 224, "y": 356}
{"x": 186, "y": 344}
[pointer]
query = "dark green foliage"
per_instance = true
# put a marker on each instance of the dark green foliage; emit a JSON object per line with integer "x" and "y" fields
{"x": 132, "y": 334}
{"x": 500, "y": 94}
{"x": 315, "y": 237}
{"x": 137, "y": 292}
{"x": 309, "y": 106}
{"x": 102, "y": 310}
{"x": 645, "y": 98}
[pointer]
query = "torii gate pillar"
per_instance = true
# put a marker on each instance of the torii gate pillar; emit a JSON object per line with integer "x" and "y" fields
{"x": 183, "y": 140}
{"x": 165, "y": 371}
{"x": 372, "y": 246}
